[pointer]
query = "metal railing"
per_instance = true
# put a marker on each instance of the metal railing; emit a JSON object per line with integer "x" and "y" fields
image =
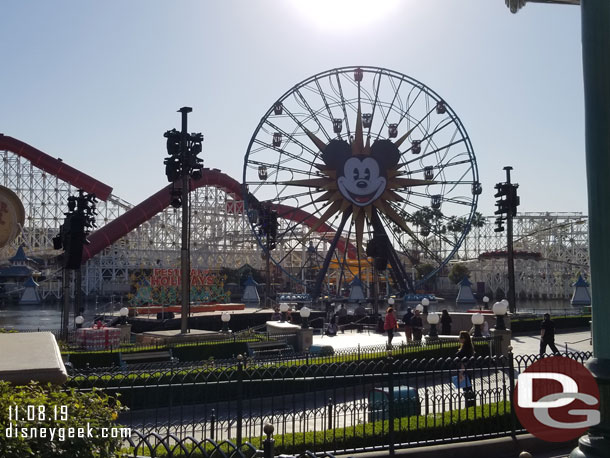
{"x": 285, "y": 355}
{"x": 169, "y": 446}
{"x": 338, "y": 407}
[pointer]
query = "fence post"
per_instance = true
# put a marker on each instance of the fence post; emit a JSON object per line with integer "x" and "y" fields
{"x": 269, "y": 443}
{"x": 426, "y": 401}
{"x": 511, "y": 377}
{"x": 330, "y": 413}
{"x": 240, "y": 396}
{"x": 212, "y": 424}
{"x": 390, "y": 364}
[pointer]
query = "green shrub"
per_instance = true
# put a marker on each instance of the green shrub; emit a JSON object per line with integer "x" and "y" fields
{"x": 561, "y": 322}
{"x": 326, "y": 350}
{"x": 206, "y": 351}
{"x": 183, "y": 352}
{"x": 176, "y": 387}
{"x": 93, "y": 409}
{"x": 481, "y": 420}
{"x": 82, "y": 360}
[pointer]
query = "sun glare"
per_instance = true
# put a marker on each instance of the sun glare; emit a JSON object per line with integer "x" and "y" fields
{"x": 344, "y": 14}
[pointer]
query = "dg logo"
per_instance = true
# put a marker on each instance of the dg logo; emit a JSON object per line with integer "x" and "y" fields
{"x": 557, "y": 399}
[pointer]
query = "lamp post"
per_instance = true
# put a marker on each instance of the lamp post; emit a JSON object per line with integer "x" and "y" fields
{"x": 225, "y": 317}
{"x": 477, "y": 319}
{"x": 433, "y": 320}
{"x": 419, "y": 308}
{"x": 305, "y": 312}
{"x": 283, "y": 310}
{"x": 123, "y": 313}
{"x": 499, "y": 309}
{"x": 391, "y": 301}
{"x": 485, "y": 302}
{"x": 425, "y": 302}
{"x": 79, "y": 320}
{"x": 181, "y": 166}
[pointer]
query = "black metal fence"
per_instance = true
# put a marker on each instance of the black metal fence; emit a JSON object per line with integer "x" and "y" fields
{"x": 336, "y": 406}
{"x": 283, "y": 354}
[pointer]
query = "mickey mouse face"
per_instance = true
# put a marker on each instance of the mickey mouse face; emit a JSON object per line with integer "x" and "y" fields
{"x": 361, "y": 179}
{"x": 361, "y": 182}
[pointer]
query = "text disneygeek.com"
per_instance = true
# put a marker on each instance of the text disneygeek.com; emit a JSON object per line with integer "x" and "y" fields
{"x": 61, "y": 434}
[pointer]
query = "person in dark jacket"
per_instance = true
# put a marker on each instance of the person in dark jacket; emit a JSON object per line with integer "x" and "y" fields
{"x": 417, "y": 325}
{"x": 445, "y": 323}
{"x": 547, "y": 335}
{"x": 466, "y": 350}
{"x": 332, "y": 326}
{"x": 407, "y": 321}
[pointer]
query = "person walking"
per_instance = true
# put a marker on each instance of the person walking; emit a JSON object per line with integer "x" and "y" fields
{"x": 407, "y": 320}
{"x": 332, "y": 326}
{"x": 464, "y": 382}
{"x": 417, "y": 325}
{"x": 445, "y": 323}
{"x": 390, "y": 324}
{"x": 547, "y": 335}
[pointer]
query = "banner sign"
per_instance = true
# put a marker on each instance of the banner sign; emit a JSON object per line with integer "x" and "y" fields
{"x": 163, "y": 287}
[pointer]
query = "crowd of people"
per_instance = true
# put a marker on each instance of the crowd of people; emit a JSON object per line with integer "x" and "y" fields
{"x": 413, "y": 326}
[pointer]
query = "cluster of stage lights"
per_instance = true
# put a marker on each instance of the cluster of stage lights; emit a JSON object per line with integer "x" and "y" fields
{"x": 183, "y": 150}
{"x": 79, "y": 221}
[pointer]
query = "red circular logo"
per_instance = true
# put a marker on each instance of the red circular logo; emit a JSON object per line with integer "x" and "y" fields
{"x": 557, "y": 399}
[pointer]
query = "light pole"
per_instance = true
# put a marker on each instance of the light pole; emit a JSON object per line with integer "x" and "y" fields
{"x": 425, "y": 302}
{"x": 485, "y": 302}
{"x": 182, "y": 165}
{"x": 283, "y": 310}
{"x": 225, "y": 317}
{"x": 433, "y": 320}
{"x": 499, "y": 309}
{"x": 477, "y": 319}
{"x": 79, "y": 320}
{"x": 123, "y": 313}
{"x": 305, "y": 312}
{"x": 507, "y": 209}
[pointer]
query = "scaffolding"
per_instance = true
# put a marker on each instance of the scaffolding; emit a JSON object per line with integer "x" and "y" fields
{"x": 552, "y": 248}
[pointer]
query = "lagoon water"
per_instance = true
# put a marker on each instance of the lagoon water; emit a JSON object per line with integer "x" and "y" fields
{"x": 48, "y": 317}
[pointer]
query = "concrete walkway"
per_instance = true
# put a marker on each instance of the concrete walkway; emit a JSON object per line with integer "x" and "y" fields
{"x": 574, "y": 341}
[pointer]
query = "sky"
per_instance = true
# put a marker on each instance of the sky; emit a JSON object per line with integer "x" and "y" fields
{"x": 98, "y": 83}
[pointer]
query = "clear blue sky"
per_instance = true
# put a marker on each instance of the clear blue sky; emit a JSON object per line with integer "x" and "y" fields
{"x": 97, "y": 83}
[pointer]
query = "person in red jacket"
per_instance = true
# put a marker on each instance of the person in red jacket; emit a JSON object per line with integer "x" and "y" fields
{"x": 390, "y": 324}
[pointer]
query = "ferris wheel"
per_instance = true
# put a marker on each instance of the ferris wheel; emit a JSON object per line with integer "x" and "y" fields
{"x": 367, "y": 170}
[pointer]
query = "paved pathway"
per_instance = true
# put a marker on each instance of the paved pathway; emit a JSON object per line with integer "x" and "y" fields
{"x": 522, "y": 345}
{"x": 572, "y": 341}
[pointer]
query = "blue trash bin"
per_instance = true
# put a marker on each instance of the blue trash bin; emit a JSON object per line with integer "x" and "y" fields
{"x": 406, "y": 403}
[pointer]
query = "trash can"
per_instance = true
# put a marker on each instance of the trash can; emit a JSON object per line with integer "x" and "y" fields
{"x": 406, "y": 403}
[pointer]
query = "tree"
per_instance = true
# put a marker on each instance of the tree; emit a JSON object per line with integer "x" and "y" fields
{"x": 422, "y": 271}
{"x": 458, "y": 272}
{"x": 478, "y": 220}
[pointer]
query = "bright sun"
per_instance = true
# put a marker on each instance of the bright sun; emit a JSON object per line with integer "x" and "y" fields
{"x": 344, "y": 14}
